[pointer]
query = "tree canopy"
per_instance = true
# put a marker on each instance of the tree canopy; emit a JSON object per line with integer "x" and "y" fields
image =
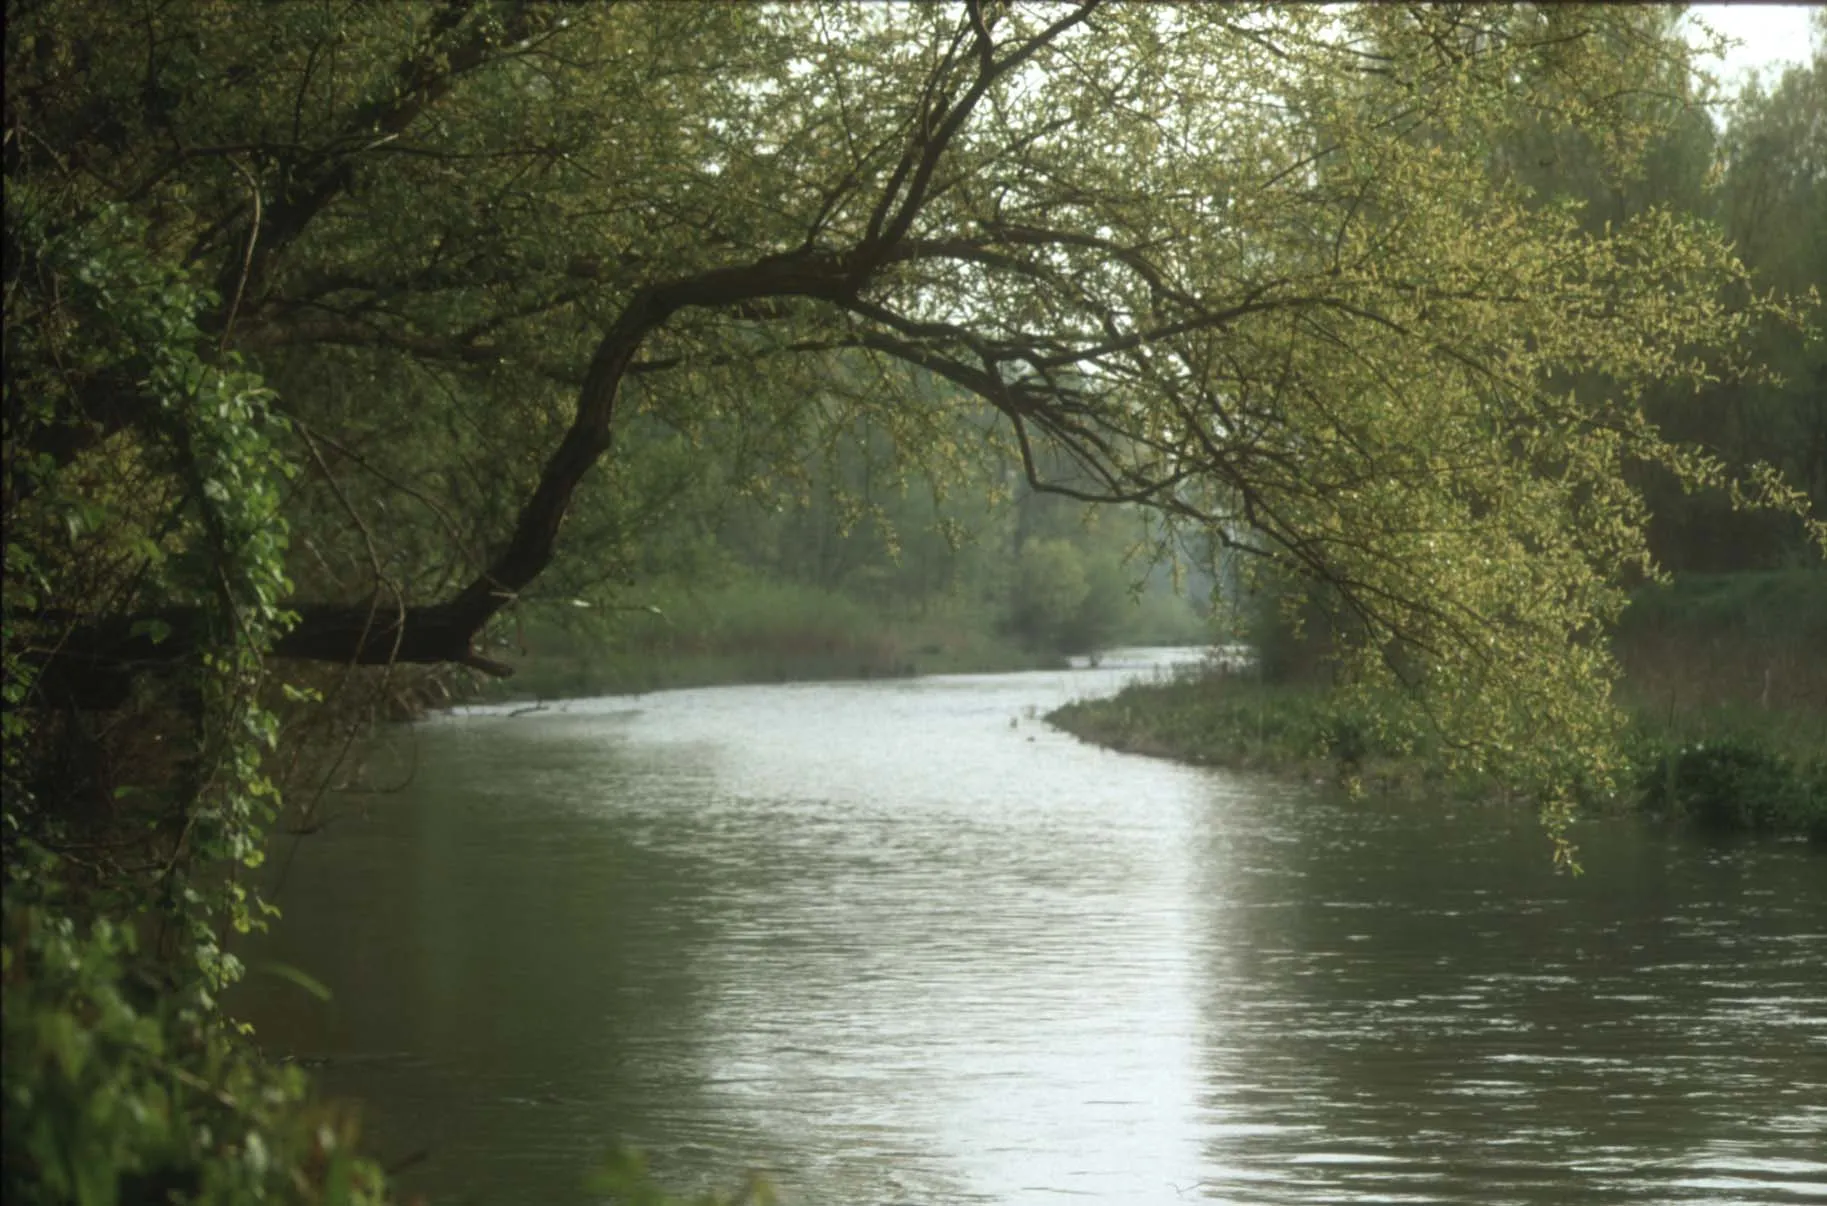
{"x": 336, "y": 331}
{"x": 1267, "y": 270}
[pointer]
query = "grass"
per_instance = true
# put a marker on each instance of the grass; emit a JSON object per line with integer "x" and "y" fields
{"x": 752, "y": 632}
{"x": 1213, "y": 718}
{"x": 1709, "y": 643}
{"x": 756, "y": 630}
{"x": 1725, "y": 676}
{"x": 1725, "y": 682}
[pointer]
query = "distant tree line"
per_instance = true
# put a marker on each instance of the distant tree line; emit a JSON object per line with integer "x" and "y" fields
{"x": 339, "y": 336}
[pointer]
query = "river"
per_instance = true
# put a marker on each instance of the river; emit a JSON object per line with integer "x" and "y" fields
{"x": 901, "y": 942}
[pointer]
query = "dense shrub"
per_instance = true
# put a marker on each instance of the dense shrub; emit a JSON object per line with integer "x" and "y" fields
{"x": 1724, "y": 783}
{"x": 1734, "y": 783}
{"x": 123, "y": 1086}
{"x": 130, "y": 816}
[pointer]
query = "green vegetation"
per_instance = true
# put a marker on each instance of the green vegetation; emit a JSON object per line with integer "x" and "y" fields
{"x": 1736, "y": 784}
{"x": 757, "y": 631}
{"x": 858, "y": 574}
{"x": 1753, "y": 642}
{"x": 1725, "y": 677}
{"x": 1218, "y": 717}
{"x": 751, "y": 621}
{"x": 122, "y": 1080}
{"x": 345, "y": 342}
{"x": 1712, "y": 738}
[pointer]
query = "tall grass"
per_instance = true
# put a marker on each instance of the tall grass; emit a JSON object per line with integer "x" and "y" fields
{"x": 1725, "y": 679}
{"x": 1735, "y": 641}
{"x": 1213, "y": 716}
{"x": 751, "y": 630}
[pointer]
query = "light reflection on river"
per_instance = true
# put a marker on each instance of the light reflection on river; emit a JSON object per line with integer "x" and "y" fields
{"x": 901, "y": 942}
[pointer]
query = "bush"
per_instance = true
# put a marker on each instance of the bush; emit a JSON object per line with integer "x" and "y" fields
{"x": 1050, "y": 590}
{"x": 1736, "y": 784}
{"x": 122, "y": 1085}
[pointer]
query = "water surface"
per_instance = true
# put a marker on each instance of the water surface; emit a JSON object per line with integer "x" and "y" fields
{"x": 902, "y": 942}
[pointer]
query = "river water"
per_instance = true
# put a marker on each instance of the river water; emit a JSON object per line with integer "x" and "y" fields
{"x": 900, "y": 942}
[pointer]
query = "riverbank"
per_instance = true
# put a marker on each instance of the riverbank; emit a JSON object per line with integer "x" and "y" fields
{"x": 653, "y": 655}
{"x": 1214, "y": 716}
{"x": 1725, "y": 686}
{"x": 760, "y": 631}
{"x": 1715, "y": 768}
{"x": 543, "y": 930}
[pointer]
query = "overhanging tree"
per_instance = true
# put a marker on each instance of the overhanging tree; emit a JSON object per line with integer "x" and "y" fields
{"x": 1265, "y": 270}
{"x": 1251, "y": 267}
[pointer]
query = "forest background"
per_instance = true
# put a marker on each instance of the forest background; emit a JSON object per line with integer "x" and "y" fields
{"x": 356, "y": 353}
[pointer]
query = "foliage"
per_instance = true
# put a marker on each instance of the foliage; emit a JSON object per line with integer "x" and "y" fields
{"x": 1736, "y": 785}
{"x": 1224, "y": 716}
{"x": 750, "y": 629}
{"x": 122, "y": 1087}
{"x": 1705, "y": 640}
{"x": 1051, "y": 590}
{"x": 1759, "y": 175}
{"x": 1689, "y": 752}
{"x": 121, "y": 1079}
{"x": 859, "y": 521}
{"x": 1735, "y": 781}
{"x": 1331, "y": 330}
{"x": 522, "y": 290}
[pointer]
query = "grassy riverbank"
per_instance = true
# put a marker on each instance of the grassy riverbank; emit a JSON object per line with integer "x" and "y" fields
{"x": 760, "y": 631}
{"x": 1725, "y": 682}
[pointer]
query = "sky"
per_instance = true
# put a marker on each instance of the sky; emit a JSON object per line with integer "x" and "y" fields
{"x": 1774, "y": 35}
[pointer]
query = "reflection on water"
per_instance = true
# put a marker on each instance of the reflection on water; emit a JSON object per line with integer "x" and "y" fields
{"x": 901, "y": 942}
